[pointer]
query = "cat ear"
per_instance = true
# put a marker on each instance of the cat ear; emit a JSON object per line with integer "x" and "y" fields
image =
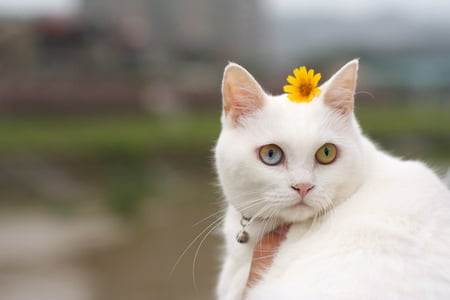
{"x": 242, "y": 95}
{"x": 339, "y": 90}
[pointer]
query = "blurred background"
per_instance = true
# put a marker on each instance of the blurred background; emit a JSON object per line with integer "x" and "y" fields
{"x": 109, "y": 110}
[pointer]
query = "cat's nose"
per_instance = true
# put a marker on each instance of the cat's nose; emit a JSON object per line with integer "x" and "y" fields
{"x": 303, "y": 188}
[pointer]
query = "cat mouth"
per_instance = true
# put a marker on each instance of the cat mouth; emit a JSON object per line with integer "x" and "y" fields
{"x": 297, "y": 211}
{"x": 300, "y": 204}
{"x": 297, "y": 204}
{"x": 294, "y": 204}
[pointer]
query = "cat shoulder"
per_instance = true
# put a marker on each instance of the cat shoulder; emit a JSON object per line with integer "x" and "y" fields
{"x": 422, "y": 177}
{"x": 404, "y": 168}
{"x": 420, "y": 168}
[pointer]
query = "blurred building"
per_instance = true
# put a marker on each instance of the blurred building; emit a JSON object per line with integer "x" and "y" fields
{"x": 184, "y": 29}
{"x": 156, "y": 55}
{"x": 142, "y": 46}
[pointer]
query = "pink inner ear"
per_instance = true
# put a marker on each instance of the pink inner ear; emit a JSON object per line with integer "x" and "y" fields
{"x": 241, "y": 94}
{"x": 340, "y": 91}
{"x": 340, "y": 99}
{"x": 242, "y": 102}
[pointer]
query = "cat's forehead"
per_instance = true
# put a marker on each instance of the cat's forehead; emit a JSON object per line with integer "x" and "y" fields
{"x": 291, "y": 125}
{"x": 294, "y": 124}
{"x": 281, "y": 106}
{"x": 295, "y": 118}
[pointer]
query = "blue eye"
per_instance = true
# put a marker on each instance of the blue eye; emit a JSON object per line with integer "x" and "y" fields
{"x": 271, "y": 154}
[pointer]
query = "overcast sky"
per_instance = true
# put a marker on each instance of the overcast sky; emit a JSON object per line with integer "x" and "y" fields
{"x": 35, "y": 8}
{"x": 425, "y": 10}
{"x": 419, "y": 10}
{"x": 357, "y": 24}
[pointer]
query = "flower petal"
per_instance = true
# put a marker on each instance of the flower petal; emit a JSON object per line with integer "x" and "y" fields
{"x": 316, "y": 79}
{"x": 290, "y": 89}
{"x": 292, "y": 80}
{"x": 292, "y": 97}
{"x": 303, "y": 73}
{"x": 316, "y": 91}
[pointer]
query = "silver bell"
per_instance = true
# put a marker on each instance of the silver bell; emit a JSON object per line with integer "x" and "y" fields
{"x": 242, "y": 237}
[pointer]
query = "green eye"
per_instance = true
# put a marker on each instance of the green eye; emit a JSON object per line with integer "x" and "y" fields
{"x": 271, "y": 154}
{"x": 326, "y": 154}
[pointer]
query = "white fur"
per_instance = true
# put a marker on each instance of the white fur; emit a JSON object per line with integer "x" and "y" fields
{"x": 387, "y": 236}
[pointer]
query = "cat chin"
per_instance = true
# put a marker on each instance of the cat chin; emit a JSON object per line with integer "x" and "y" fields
{"x": 293, "y": 214}
{"x": 297, "y": 214}
{"x": 287, "y": 210}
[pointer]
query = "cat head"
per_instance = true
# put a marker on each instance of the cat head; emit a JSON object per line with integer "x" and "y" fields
{"x": 287, "y": 160}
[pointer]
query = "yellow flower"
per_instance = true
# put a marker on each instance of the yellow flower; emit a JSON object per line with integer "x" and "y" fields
{"x": 303, "y": 85}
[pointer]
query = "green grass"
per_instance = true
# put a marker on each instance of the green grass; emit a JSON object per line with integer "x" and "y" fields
{"x": 133, "y": 135}
{"x": 397, "y": 120}
{"x": 144, "y": 135}
{"x": 415, "y": 132}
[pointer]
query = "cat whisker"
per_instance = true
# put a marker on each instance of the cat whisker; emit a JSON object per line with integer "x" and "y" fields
{"x": 365, "y": 93}
{"x": 257, "y": 214}
{"x": 331, "y": 210}
{"x": 250, "y": 204}
{"x": 247, "y": 194}
{"x": 253, "y": 201}
{"x": 248, "y": 207}
{"x": 256, "y": 217}
{"x": 213, "y": 224}
{"x": 326, "y": 208}
{"x": 212, "y": 228}
{"x": 323, "y": 205}
{"x": 214, "y": 214}
{"x": 250, "y": 194}
{"x": 260, "y": 234}
{"x": 323, "y": 210}
{"x": 266, "y": 221}
{"x": 266, "y": 256}
{"x": 270, "y": 222}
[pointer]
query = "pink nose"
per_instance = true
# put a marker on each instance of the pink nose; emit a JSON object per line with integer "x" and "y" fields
{"x": 303, "y": 188}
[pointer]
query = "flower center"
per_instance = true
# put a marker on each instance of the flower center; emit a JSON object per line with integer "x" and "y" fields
{"x": 305, "y": 89}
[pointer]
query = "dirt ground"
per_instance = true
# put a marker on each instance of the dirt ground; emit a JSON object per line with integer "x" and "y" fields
{"x": 98, "y": 256}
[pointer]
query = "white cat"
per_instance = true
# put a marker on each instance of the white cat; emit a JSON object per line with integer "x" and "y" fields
{"x": 366, "y": 225}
